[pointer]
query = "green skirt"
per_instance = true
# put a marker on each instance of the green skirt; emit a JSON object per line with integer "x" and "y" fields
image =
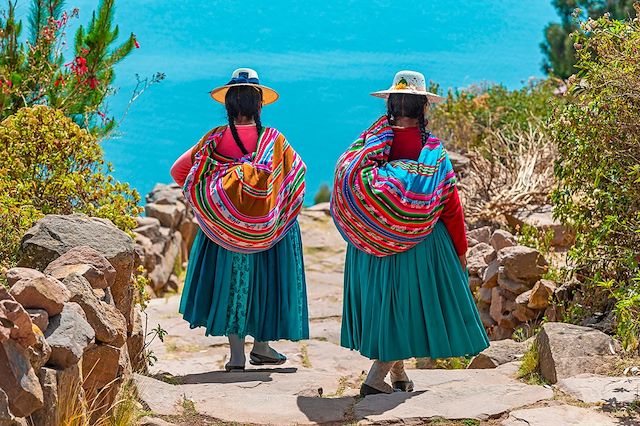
{"x": 412, "y": 304}
{"x": 263, "y": 295}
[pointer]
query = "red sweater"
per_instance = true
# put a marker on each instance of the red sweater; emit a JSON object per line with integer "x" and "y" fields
{"x": 407, "y": 144}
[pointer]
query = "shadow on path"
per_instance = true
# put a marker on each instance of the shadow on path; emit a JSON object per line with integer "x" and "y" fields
{"x": 250, "y": 375}
{"x": 345, "y": 409}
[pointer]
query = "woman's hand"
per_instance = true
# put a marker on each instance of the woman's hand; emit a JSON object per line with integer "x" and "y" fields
{"x": 463, "y": 261}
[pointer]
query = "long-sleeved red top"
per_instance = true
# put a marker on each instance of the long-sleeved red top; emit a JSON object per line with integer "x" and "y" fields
{"x": 407, "y": 144}
{"x": 227, "y": 147}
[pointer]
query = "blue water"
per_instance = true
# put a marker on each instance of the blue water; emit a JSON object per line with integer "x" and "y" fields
{"x": 323, "y": 57}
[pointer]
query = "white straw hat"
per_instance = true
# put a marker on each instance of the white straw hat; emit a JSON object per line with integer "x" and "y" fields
{"x": 409, "y": 82}
{"x": 245, "y": 77}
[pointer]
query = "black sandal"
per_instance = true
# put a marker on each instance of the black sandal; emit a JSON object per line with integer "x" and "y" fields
{"x": 365, "y": 390}
{"x": 403, "y": 385}
{"x": 233, "y": 368}
{"x": 257, "y": 359}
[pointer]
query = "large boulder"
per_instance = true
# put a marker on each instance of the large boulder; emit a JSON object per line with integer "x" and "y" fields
{"x": 99, "y": 272}
{"x": 18, "y": 380}
{"x": 565, "y": 350}
{"x": 499, "y": 352}
{"x": 68, "y": 334}
{"x": 165, "y": 194}
{"x": 106, "y": 320}
{"x": 522, "y": 263}
{"x": 540, "y": 294}
{"x": 103, "y": 364}
{"x": 41, "y": 293}
{"x": 55, "y": 235}
{"x": 541, "y": 218}
{"x": 514, "y": 286}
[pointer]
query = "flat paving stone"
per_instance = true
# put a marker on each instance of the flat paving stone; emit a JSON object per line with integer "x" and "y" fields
{"x": 452, "y": 394}
{"x": 558, "y": 415}
{"x": 591, "y": 388}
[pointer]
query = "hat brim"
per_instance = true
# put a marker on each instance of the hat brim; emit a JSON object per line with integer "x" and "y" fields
{"x": 433, "y": 98}
{"x": 269, "y": 95}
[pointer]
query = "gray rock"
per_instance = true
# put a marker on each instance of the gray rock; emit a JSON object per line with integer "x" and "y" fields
{"x": 100, "y": 273}
{"x": 54, "y": 235}
{"x": 558, "y": 415}
{"x": 541, "y": 218}
{"x": 135, "y": 344}
{"x": 484, "y": 295}
{"x": 165, "y": 263}
{"x": 499, "y": 352}
{"x": 490, "y": 275}
{"x": 6, "y": 418}
{"x": 169, "y": 215}
{"x": 502, "y": 306}
{"x": 16, "y": 274}
{"x": 483, "y": 249}
{"x": 522, "y": 263}
{"x": 41, "y": 293}
{"x": 48, "y": 414}
{"x": 149, "y": 227}
{"x": 591, "y": 388}
{"x": 567, "y": 350}
{"x": 108, "y": 323}
{"x": 481, "y": 235}
{"x": 165, "y": 193}
{"x": 68, "y": 334}
{"x": 501, "y": 239}
{"x": 540, "y": 294}
{"x": 18, "y": 380}
{"x": 515, "y": 286}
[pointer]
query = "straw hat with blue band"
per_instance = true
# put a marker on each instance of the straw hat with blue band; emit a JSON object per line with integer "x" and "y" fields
{"x": 245, "y": 77}
{"x": 411, "y": 83}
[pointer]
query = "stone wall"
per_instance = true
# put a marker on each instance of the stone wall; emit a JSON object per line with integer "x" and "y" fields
{"x": 69, "y": 330}
{"x": 506, "y": 279}
{"x": 164, "y": 237}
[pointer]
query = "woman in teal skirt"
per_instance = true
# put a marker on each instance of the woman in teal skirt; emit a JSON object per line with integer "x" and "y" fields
{"x": 400, "y": 304}
{"x": 230, "y": 292}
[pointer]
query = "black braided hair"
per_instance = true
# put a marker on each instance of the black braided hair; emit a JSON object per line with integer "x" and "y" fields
{"x": 243, "y": 101}
{"x": 410, "y": 106}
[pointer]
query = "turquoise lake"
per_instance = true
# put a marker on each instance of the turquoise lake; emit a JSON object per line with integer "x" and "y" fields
{"x": 323, "y": 57}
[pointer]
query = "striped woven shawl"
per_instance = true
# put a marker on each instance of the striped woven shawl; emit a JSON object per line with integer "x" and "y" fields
{"x": 246, "y": 205}
{"x": 384, "y": 207}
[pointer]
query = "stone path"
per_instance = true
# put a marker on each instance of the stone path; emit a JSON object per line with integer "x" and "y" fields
{"x": 320, "y": 381}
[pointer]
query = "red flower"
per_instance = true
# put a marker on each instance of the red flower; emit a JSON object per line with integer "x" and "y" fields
{"x": 93, "y": 82}
{"x": 135, "y": 42}
{"x": 9, "y": 83}
{"x": 59, "y": 81}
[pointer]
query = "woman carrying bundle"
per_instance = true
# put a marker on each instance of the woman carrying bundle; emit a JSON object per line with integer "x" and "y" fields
{"x": 395, "y": 201}
{"x": 245, "y": 184}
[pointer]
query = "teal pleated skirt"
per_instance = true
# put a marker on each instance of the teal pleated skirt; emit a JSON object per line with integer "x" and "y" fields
{"x": 263, "y": 295}
{"x": 412, "y": 304}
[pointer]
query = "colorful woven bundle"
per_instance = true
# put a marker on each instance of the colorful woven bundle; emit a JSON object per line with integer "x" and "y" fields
{"x": 383, "y": 207}
{"x": 246, "y": 205}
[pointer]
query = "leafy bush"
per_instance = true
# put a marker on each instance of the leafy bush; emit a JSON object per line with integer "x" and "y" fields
{"x": 560, "y": 55}
{"x": 323, "y": 195}
{"x": 35, "y": 71}
{"x": 48, "y": 164}
{"x": 597, "y": 133}
{"x": 502, "y": 131}
{"x": 468, "y": 118}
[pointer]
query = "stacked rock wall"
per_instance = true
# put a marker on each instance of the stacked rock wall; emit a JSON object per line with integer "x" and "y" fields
{"x": 69, "y": 330}
{"x": 164, "y": 237}
{"x": 506, "y": 279}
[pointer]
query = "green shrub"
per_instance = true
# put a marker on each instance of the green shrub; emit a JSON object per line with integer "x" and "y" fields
{"x": 323, "y": 195}
{"x": 468, "y": 118}
{"x": 48, "y": 164}
{"x": 597, "y": 133}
